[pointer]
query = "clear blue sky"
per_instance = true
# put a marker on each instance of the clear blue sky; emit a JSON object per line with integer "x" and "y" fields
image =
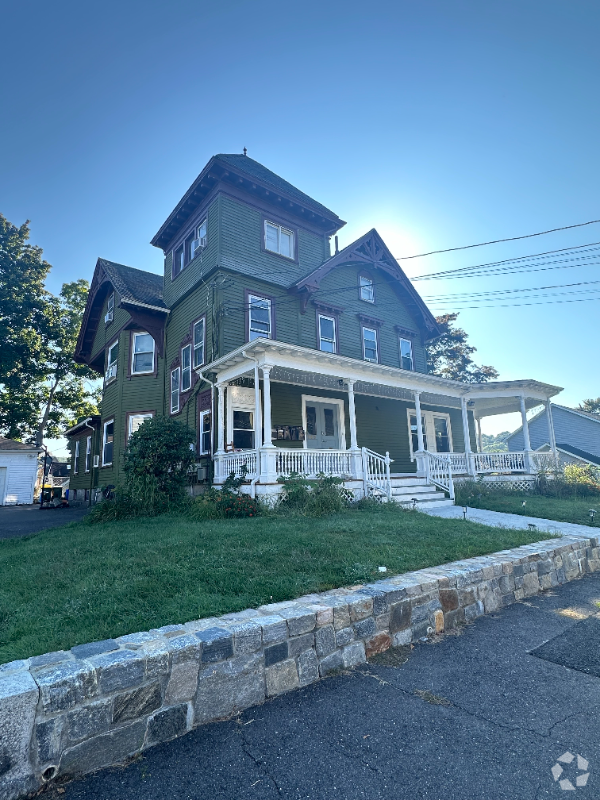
{"x": 441, "y": 123}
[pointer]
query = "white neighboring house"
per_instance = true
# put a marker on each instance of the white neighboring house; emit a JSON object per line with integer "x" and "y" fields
{"x": 18, "y": 472}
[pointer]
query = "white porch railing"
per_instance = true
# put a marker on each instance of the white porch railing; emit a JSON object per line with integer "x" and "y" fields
{"x": 543, "y": 462}
{"x": 311, "y": 462}
{"x": 458, "y": 462}
{"x": 439, "y": 470}
{"x": 376, "y": 473}
{"x": 500, "y": 462}
{"x": 233, "y": 462}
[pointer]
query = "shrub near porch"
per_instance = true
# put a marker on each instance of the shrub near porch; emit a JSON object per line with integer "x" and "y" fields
{"x": 84, "y": 583}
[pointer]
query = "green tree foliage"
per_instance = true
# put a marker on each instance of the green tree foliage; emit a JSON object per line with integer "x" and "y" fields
{"x": 495, "y": 444}
{"x": 449, "y": 356}
{"x": 42, "y": 389}
{"x": 592, "y": 406}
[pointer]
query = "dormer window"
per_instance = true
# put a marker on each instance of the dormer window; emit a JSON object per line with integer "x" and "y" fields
{"x": 279, "y": 240}
{"x": 110, "y": 308}
{"x": 366, "y": 288}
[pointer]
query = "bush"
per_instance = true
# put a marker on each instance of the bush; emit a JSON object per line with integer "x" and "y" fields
{"x": 573, "y": 480}
{"x": 325, "y": 495}
{"x": 226, "y": 502}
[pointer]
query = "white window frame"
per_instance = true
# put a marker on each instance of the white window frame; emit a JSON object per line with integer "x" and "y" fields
{"x": 370, "y": 285}
{"x": 240, "y": 398}
{"x": 262, "y": 299}
{"x": 133, "y": 353}
{"x": 112, "y": 366}
{"x": 182, "y": 262}
{"x": 88, "y": 453}
{"x": 104, "y": 442}
{"x": 280, "y": 229}
{"x": 175, "y": 408}
{"x": 412, "y": 355}
{"x": 335, "y": 333}
{"x": 199, "y": 242}
{"x": 203, "y": 415}
{"x": 133, "y": 415}
{"x": 76, "y": 459}
{"x": 372, "y": 330}
{"x": 186, "y": 371}
{"x": 330, "y": 401}
{"x": 198, "y": 362}
{"x": 429, "y": 428}
{"x": 110, "y": 308}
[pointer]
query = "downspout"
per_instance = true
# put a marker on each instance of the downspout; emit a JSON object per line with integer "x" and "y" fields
{"x": 203, "y": 377}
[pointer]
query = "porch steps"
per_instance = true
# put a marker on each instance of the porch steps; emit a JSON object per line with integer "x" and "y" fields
{"x": 417, "y": 492}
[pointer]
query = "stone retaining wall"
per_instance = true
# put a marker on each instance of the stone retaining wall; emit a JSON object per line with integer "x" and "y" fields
{"x": 69, "y": 713}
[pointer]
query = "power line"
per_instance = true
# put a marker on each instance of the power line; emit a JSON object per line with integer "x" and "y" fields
{"x": 520, "y": 305}
{"x": 462, "y": 295}
{"x": 498, "y": 241}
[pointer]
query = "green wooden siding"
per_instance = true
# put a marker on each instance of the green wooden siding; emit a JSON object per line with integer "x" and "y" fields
{"x": 106, "y": 334}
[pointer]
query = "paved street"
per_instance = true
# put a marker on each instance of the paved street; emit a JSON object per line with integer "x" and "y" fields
{"x": 472, "y": 716}
{"x": 16, "y": 521}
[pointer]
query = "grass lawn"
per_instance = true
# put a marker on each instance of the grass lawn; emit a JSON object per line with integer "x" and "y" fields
{"x": 575, "y": 510}
{"x": 82, "y": 583}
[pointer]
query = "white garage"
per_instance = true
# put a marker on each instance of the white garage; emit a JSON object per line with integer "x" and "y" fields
{"x": 18, "y": 472}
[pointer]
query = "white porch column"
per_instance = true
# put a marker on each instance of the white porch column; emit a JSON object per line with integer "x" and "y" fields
{"x": 467, "y": 436}
{"x": 420, "y": 454}
{"x": 551, "y": 431}
{"x": 526, "y": 439}
{"x": 257, "y": 420}
{"x": 268, "y": 454}
{"x": 218, "y": 460}
{"x": 356, "y": 460}
{"x": 479, "y": 436}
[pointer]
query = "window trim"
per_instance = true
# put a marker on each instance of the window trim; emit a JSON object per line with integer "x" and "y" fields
{"x": 281, "y": 223}
{"x": 76, "y": 458}
{"x": 189, "y": 347}
{"x": 178, "y": 409}
{"x": 336, "y": 337}
{"x": 181, "y": 245}
{"x": 412, "y": 352}
{"x": 108, "y": 362}
{"x": 332, "y": 401}
{"x": 201, "y": 450}
{"x": 130, "y": 414}
{"x": 200, "y": 319}
{"x": 367, "y": 276}
{"x": 182, "y": 241}
{"x": 375, "y": 330}
{"x": 104, "y": 442}
{"x": 88, "y": 453}
{"x": 428, "y": 417}
{"x": 248, "y": 293}
{"x": 132, "y": 337}
{"x": 110, "y": 311}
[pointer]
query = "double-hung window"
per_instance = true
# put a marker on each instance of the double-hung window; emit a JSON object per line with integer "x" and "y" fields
{"x": 111, "y": 361}
{"x": 175, "y": 388}
{"x": 406, "y": 354}
{"x": 135, "y": 420}
{"x": 327, "y": 334}
{"x": 200, "y": 238}
{"x": 243, "y": 430}
{"x": 110, "y": 308}
{"x": 186, "y": 368}
{"x": 205, "y": 420}
{"x": 108, "y": 438}
{"x": 76, "y": 462}
{"x": 178, "y": 260}
{"x": 199, "y": 337}
{"x": 88, "y": 453}
{"x": 259, "y": 317}
{"x": 142, "y": 356}
{"x": 370, "y": 349}
{"x": 366, "y": 289}
{"x": 279, "y": 240}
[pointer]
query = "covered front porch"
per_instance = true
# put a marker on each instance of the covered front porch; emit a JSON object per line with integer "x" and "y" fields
{"x": 282, "y": 408}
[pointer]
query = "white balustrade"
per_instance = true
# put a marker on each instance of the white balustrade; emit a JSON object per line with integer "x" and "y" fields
{"x": 311, "y": 462}
{"x": 458, "y": 462}
{"x": 233, "y": 462}
{"x": 439, "y": 471}
{"x": 376, "y": 473}
{"x": 500, "y": 462}
{"x": 543, "y": 462}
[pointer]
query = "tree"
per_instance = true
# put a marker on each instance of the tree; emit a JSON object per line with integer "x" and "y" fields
{"x": 449, "y": 356}
{"x": 42, "y": 389}
{"x": 592, "y": 406}
{"x": 495, "y": 444}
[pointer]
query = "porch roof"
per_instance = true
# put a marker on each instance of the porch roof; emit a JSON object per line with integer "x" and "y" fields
{"x": 304, "y": 366}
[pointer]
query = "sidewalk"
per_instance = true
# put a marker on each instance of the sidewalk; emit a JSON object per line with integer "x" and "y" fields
{"x": 467, "y": 717}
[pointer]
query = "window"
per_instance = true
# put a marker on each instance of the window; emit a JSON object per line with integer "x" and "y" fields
{"x": 76, "y": 461}
{"x": 111, "y": 361}
{"x": 205, "y": 420}
{"x": 108, "y": 439}
{"x": 406, "y": 354}
{"x": 414, "y": 436}
{"x": 88, "y": 453}
{"x": 243, "y": 430}
{"x": 199, "y": 334}
{"x": 142, "y": 357}
{"x": 369, "y": 336}
{"x": 135, "y": 420}
{"x": 199, "y": 238}
{"x": 178, "y": 260}
{"x": 110, "y": 308}
{"x": 259, "y": 314}
{"x": 327, "y": 334}
{"x": 279, "y": 240}
{"x": 186, "y": 368}
{"x": 175, "y": 390}
{"x": 366, "y": 289}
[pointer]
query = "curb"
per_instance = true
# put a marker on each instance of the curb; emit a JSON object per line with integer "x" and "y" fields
{"x": 73, "y": 712}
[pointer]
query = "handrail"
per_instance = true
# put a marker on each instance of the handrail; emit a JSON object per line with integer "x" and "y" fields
{"x": 376, "y": 473}
{"x": 439, "y": 471}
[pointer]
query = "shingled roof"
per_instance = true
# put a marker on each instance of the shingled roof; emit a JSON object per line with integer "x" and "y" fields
{"x": 135, "y": 285}
{"x": 11, "y": 444}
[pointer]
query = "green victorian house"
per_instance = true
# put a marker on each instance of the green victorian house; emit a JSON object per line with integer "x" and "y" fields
{"x": 281, "y": 356}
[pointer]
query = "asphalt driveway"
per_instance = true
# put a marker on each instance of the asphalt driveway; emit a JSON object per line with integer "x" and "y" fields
{"x": 16, "y": 521}
{"x": 473, "y": 716}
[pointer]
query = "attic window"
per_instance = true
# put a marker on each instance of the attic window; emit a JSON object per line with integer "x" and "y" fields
{"x": 279, "y": 240}
{"x": 178, "y": 260}
{"x": 110, "y": 309}
{"x": 366, "y": 288}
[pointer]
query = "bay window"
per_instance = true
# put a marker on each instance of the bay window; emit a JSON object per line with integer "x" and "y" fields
{"x": 175, "y": 388}
{"x": 259, "y": 317}
{"x": 186, "y": 368}
{"x": 199, "y": 333}
{"x": 108, "y": 438}
{"x": 135, "y": 420}
{"x": 205, "y": 431}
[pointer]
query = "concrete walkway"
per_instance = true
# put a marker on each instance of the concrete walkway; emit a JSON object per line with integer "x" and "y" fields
{"x": 499, "y": 519}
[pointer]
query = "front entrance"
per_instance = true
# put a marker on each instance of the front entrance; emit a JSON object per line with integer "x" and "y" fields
{"x": 437, "y": 433}
{"x": 322, "y": 424}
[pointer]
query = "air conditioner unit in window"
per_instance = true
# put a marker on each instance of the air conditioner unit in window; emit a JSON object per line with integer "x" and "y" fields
{"x": 198, "y": 244}
{"x": 96, "y": 462}
{"x": 108, "y": 317}
{"x": 111, "y": 372}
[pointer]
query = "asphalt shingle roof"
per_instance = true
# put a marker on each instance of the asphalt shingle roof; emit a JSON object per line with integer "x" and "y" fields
{"x": 135, "y": 285}
{"x": 11, "y": 444}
